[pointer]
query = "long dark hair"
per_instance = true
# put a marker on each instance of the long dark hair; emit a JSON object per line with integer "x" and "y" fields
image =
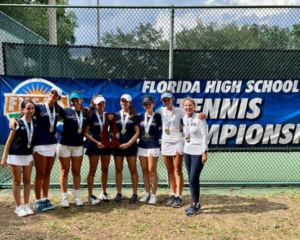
{"x": 23, "y": 105}
{"x": 132, "y": 110}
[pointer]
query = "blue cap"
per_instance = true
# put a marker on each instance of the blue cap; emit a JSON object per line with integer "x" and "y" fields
{"x": 168, "y": 95}
{"x": 75, "y": 95}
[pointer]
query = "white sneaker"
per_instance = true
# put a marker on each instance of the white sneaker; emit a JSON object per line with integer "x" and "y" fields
{"x": 153, "y": 199}
{"x": 93, "y": 200}
{"x": 78, "y": 202}
{"x": 145, "y": 198}
{"x": 20, "y": 211}
{"x": 28, "y": 209}
{"x": 103, "y": 197}
{"x": 65, "y": 203}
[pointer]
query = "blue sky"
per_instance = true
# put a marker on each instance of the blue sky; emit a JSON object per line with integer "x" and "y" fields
{"x": 183, "y": 3}
{"x": 128, "y": 19}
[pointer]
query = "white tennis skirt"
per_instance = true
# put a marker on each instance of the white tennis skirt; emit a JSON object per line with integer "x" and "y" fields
{"x": 170, "y": 149}
{"x": 20, "y": 160}
{"x": 46, "y": 150}
{"x": 145, "y": 152}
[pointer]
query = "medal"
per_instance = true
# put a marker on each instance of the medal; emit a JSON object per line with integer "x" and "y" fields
{"x": 51, "y": 117}
{"x": 147, "y": 125}
{"x": 123, "y": 131}
{"x": 168, "y": 120}
{"x": 123, "y": 121}
{"x": 187, "y": 125}
{"x": 79, "y": 120}
{"x": 28, "y": 131}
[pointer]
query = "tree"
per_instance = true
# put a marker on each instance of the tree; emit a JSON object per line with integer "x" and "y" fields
{"x": 37, "y": 19}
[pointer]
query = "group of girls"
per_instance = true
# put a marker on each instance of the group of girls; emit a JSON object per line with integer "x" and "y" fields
{"x": 80, "y": 122}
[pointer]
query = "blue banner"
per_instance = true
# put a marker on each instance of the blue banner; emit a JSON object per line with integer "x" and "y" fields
{"x": 240, "y": 113}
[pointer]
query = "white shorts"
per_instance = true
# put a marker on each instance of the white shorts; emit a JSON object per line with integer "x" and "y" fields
{"x": 46, "y": 150}
{"x": 145, "y": 152}
{"x": 170, "y": 149}
{"x": 20, "y": 160}
{"x": 69, "y": 151}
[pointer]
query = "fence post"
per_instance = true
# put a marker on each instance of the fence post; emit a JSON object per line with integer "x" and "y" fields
{"x": 171, "y": 50}
{"x": 52, "y": 24}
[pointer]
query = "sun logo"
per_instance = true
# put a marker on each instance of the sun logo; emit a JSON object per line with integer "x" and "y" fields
{"x": 35, "y": 89}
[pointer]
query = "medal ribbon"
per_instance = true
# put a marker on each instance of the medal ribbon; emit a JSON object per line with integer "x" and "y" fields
{"x": 167, "y": 118}
{"x": 51, "y": 117}
{"x": 123, "y": 122}
{"x": 146, "y": 124}
{"x": 100, "y": 121}
{"x": 187, "y": 126}
{"x": 29, "y": 131}
{"x": 79, "y": 119}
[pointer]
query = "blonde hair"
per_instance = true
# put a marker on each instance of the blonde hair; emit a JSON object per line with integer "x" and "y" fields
{"x": 190, "y": 100}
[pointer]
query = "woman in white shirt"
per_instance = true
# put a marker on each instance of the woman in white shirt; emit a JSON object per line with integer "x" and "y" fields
{"x": 195, "y": 151}
{"x": 172, "y": 146}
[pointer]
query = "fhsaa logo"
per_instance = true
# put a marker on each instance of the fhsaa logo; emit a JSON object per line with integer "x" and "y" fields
{"x": 35, "y": 89}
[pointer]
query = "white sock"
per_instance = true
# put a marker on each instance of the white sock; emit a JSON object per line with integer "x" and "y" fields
{"x": 76, "y": 193}
{"x": 153, "y": 194}
{"x": 65, "y": 195}
{"x": 147, "y": 193}
{"x": 173, "y": 194}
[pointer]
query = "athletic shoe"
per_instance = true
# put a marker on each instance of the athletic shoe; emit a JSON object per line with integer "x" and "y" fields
{"x": 103, "y": 197}
{"x": 78, "y": 202}
{"x": 177, "y": 202}
{"x": 20, "y": 211}
{"x": 28, "y": 209}
{"x": 145, "y": 198}
{"x": 40, "y": 206}
{"x": 153, "y": 199}
{"x": 134, "y": 198}
{"x": 187, "y": 208}
{"x": 171, "y": 200}
{"x": 193, "y": 210}
{"x": 93, "y": 200}
{"x": 118, "y": 197}
{"x": 49, "y": 205}
{"x": 65, "y": 203}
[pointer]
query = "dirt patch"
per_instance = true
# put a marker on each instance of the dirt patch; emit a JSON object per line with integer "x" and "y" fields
{"x": 222, "y": 217}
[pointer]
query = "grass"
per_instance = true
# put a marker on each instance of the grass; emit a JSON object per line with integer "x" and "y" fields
{"x": 223, "y": 217}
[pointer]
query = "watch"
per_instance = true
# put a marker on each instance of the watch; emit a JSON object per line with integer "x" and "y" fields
{"x": 205, "y": 151}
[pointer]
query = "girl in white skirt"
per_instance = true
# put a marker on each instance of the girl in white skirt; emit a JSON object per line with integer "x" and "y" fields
{"x": 148, "y": 148}
{"x": 19, "y": 149}
{"x": 172, "y": 146}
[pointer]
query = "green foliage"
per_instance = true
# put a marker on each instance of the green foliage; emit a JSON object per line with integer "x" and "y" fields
{"x": 37, "y": 19}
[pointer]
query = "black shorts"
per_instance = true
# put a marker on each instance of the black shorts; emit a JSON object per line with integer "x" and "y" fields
{"x": 128, "y": 152}
{"x": 93, "y": 150}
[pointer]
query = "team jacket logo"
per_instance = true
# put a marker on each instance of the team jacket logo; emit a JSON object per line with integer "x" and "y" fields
{"x": 35, "y": 89}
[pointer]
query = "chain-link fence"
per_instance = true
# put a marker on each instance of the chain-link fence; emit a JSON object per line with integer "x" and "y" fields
{"x": 159, "y": 43}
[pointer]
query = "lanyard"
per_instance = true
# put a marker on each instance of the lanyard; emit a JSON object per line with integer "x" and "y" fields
{"x": 51, "y": 117}
{"x": 123, "y": 122}
{"x": 79, "y": 118}
{"x": 99, "y": 119}
{"x": 146, "y": 124}
{"x": 188, "y": 125}
{"x": 168, "y": 118}
{"x": 28, "y": 131}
